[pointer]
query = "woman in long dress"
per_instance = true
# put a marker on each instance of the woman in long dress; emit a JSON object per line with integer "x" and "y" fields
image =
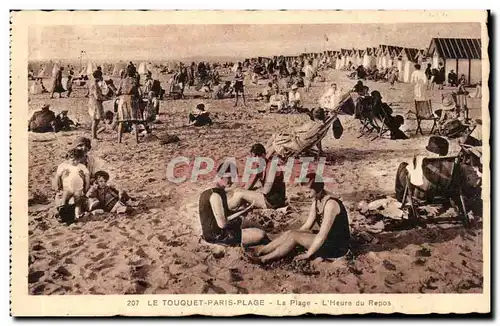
{"x": 129, "y": 103}
{"x": 96, "y": 110}
{"x": 57, "y": 86}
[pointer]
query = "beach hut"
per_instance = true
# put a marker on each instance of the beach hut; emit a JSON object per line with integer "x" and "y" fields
{"x": 340, "y": 62}
{"x": 88, "y": 69}
{"x": 382, "y": 56}
{"x": 142, "y": 70}
{"x": 463, "y": 55}
{"x": 369, "y": 58}
{"x": 118, "y": 68}
{"x": 46, "y": 71}
{"x": 358, "y": 57}
{"x": 407, "y": 59}
{"x": 387, "y": 55}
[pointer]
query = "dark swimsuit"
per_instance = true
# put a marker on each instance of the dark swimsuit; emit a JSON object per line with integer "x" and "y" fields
{"x": 211, "y": 231}
{"x": 338, "y": 238}
{"x": 276, "y": 197}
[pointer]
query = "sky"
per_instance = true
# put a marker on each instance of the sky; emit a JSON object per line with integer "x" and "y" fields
{"x": 167, "y": 42}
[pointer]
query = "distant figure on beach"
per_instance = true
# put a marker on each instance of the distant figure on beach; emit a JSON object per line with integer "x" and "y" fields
{"x": 239, "y": 85}
{"x": 57, "y": 86}
{"x": 96, "y": 110}
{"x": 69, "y": 83}
{"x": 129, "y": 94}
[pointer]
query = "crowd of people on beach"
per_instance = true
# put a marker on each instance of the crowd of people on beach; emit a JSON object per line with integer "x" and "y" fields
{"x": 81, "y": 181}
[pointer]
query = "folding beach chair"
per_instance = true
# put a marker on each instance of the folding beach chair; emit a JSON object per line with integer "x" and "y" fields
{"x": 442, "y": 177}
{"x": 307, "y": 145}
{"x": 373, "y": 121}
{"x": 461, "y": 104}
{"x": 423, "y": 112}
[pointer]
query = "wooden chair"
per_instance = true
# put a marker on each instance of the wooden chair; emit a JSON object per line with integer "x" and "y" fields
{"x": 423, "y": 112}
{"x": 461, "y": 104}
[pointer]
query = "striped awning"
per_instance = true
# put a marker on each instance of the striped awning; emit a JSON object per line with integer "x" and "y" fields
{"x": 456, "y": 48}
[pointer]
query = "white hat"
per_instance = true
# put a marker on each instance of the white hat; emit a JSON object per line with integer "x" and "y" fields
{"x": 294, "y": 86}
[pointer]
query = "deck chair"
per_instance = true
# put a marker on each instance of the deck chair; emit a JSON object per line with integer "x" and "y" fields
{"x": 288, "y": 147}
{"x": 373, "y": 122}
{"x": 423, "y": 112}
{"x": 461, "y": 104}
{"x": 441, "y": 183}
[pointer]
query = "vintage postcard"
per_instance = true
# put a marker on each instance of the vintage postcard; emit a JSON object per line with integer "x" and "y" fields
{"x": 277, "y": 163}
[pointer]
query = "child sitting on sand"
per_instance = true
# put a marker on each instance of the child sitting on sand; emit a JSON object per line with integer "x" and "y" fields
{"x": 63, "y": 122}
{"x": 73, "y": 178}
{"x": 199, "y": 117}
{"x": 106, "y": 197}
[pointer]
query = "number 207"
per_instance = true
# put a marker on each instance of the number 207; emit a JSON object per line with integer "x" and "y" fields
{"x": 132, "y": 303}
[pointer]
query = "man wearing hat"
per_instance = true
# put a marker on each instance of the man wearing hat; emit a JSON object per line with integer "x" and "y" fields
{"x": 42, "y": 120}
{"x": 437, "y": 147}
{"x": 217, "y": 223}
{"x": 294, "y": 97}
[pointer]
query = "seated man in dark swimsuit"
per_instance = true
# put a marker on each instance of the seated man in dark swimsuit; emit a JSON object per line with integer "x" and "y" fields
{"x": 218, "y": 226}
{"x": 332, "y": 238}
{"x": 273, "y": 191}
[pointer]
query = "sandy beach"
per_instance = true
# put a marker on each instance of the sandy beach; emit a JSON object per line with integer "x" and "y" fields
{"x": 157, "y": 249}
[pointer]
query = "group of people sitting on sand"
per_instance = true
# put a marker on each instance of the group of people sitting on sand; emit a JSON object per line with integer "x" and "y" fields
{"x": 46, "y": 120}
{"x": 222, "y": 222}
{"x": 81, "y": 185}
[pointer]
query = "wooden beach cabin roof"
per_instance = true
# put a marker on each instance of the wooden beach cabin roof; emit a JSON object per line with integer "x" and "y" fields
{"x": 455, "y": 48}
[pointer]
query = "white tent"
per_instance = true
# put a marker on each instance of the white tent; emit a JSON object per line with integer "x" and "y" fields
{"x": 88, "y": 69}
{"x": 368, "y": 60}
{"x": 400, "y": 66}
{"x": 36, "y": 88}
{"x": 91, "y": 67}
{"x": 118, "y": 68}
{"x": 55, "y": 69}
{"x": 46, "y": 71}
{"x": 409, "y": 68}
{"x": 142, "y": 69}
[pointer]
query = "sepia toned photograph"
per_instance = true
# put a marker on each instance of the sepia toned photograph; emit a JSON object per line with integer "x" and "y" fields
{"x": 250, "y": 158}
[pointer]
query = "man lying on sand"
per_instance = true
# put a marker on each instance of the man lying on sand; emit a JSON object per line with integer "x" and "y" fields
{"x": 73, "y": 179}
{"x": 272, "y": 194}
{"x": 331, "y": 240}
{"x": 218, "y": 225}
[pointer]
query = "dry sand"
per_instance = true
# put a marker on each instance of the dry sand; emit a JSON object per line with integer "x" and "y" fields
{"x": 157, "y": 249}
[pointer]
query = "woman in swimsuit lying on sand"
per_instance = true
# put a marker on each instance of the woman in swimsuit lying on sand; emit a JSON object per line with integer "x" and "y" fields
{"x": 332, "y": 239}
